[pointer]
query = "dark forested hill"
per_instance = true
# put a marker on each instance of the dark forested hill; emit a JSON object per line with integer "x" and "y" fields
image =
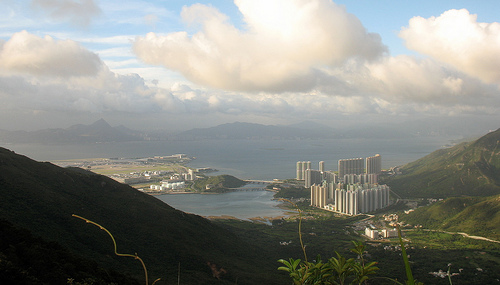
{"x": 25, "y": 259}
{"x": 41, "y": 198}
{"x": 471, "y": 169}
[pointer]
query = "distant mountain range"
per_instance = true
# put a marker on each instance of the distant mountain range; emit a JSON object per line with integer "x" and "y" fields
{"x": 101, "y": 131}
{"x": 41, "y": 197}
{"x": 303, "y": 130}
{"x": 240, "y": 130}
{"x": 467, "y": 169}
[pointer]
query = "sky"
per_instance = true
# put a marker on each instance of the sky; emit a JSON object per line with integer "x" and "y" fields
{"x": 177, "y": 65}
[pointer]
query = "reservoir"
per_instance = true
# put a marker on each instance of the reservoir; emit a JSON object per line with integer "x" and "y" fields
{"x": 239, "y": 204}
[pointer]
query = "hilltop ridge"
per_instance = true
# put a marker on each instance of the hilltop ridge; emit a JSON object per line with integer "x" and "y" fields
{"x": 41, "y": 197}
{"x": 473, "y": 215}
{"x": 469, "y": 168}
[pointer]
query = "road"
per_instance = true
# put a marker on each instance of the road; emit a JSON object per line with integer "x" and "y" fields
{"x": 464, "y": 235}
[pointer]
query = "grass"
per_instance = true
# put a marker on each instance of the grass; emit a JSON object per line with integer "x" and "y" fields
{"x": 428, "y": 251}
{"x": 107, "y": 166}
{"x": 433, "y": 251}
{"x": 440, "y": 240}
{"x": 474, "y": 215}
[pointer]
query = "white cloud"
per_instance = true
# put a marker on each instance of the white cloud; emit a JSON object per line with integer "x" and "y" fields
{"x": 105, "y": 92}
{"x": 274, "y": 69}
{"x": 28, "y": 53}
{"x": 314, "y": 48}
{"x": 404, "y": 78}
{"x": 280, "y": 50}
{"x": 78, "y": 12}
{"x": 457, "y": 39}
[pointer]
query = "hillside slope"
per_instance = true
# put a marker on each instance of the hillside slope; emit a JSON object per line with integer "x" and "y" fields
{"x": 219, "y": 183}
{"x": 470, "y": 169}
{"x": 473, "y": 215}
{"x": 41, "y": 197}
{"x": 25, "y": 259}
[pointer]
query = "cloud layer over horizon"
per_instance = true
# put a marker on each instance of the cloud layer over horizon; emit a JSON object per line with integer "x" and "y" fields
{"x": 307, "y": 59}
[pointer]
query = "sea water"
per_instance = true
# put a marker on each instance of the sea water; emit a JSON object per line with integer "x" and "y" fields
{"x": 245, "y": 159}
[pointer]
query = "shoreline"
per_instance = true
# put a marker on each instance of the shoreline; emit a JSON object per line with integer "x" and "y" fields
{"x": 158, "y": 193}
{"x": 265, "y": 220}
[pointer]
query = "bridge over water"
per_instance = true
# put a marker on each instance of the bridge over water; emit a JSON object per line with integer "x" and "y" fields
{"x": 255, "y": 185}
{"x": 249, "y": 189}
{"x": 262, "y": 181}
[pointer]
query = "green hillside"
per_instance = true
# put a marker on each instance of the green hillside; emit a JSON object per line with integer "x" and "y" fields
{"x": 472, "y": 215}
{"x": 219, "y": 183}
{"x": 41, "y": 197}
{"x": 467, "y": 169}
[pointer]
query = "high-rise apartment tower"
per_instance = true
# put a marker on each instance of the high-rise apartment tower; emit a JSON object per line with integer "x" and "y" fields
{"x": 374, "y": 164}
{"x": 322, "y": 166}
{"x": 351, "y": 166}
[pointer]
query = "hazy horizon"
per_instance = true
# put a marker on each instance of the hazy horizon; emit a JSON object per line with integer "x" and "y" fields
{"x": 178, "y": 65}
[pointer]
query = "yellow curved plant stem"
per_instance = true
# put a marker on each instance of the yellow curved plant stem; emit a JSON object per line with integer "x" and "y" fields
{"x": 114, "y": 243}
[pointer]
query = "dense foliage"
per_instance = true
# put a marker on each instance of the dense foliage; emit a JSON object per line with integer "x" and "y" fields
{"x": 293, "y": 193}
{"x": 336, "y": 270}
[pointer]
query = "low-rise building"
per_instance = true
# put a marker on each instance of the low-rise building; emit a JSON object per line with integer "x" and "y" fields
{"x": 384, "y": 233}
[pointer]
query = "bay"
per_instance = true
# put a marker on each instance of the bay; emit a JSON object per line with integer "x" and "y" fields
{"x": 248, "y": 159}
{"x": 245, "y": 159}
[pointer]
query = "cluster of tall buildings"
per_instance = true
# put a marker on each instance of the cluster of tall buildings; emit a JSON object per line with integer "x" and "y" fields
{"x": 350, "y": 199}
{"x": 353, "y": 170}
{"x": 373, "y": 165}
{"x": 354, "y": 190}
{"x": 302, "y": 166}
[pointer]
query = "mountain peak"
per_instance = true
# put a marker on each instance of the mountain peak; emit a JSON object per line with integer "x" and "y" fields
{"x": 101, "y": 123}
